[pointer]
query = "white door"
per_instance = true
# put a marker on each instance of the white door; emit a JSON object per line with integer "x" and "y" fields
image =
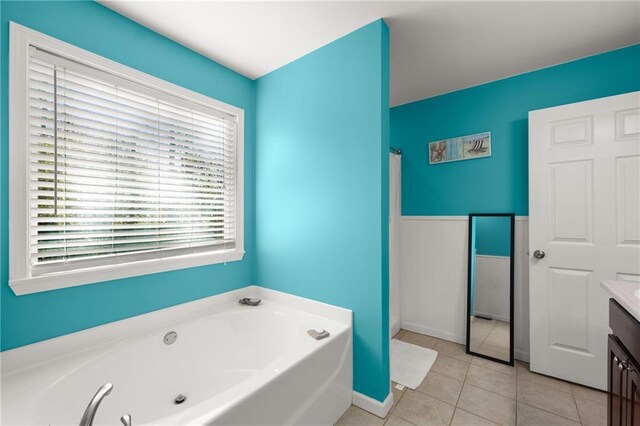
{"x": 584, "y": 214}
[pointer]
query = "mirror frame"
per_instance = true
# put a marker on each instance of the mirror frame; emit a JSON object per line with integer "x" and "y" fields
{"x": 511, "y": 279}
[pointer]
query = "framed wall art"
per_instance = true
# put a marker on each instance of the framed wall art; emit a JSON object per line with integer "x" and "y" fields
{"x": 460, "y": 148}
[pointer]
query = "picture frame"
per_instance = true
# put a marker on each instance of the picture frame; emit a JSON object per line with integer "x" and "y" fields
{"x": 467, "y": 147}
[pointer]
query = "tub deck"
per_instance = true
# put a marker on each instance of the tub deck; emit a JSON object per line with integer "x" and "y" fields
{"x": 236, "y": 364}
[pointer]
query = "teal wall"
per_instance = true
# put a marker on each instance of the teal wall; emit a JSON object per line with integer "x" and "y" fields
{"x": 492, "y": 235}
{"x": 498, "y": 183}
{"x": 89, "y": 25}
{"x": 322, "y": 188}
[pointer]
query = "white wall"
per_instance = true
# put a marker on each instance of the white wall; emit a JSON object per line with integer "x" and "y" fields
{"x": 492, "y": 287}
{"x": 433, "y": 278}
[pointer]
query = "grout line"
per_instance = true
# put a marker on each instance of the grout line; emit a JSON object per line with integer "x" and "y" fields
{"x": 438, "y": 398}
{"x": 543, "y": 409}
{"x": 469, "y": 411}
{"x": 455, "y": 407}
{"x": 516, "y": 400}
{"x": 575, "y": 404}
{"x": 551, "y": 412}
{"x": 394, "y": 409}
{"x": 489, "y": 390}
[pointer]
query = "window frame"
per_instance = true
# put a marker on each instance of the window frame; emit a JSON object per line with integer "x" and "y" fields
{"x": 21, "y": 278}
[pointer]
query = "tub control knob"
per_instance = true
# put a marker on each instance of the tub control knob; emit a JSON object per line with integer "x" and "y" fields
{"x": 126, "y": 420}
{"x": 318, "y": 333}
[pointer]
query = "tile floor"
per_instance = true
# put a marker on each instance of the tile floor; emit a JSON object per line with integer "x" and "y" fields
{"x": 490, "y": 337}
{"x": 461, "y": 389}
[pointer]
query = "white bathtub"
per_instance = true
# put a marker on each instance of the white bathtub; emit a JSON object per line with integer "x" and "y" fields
{"x": 237, "y": 365}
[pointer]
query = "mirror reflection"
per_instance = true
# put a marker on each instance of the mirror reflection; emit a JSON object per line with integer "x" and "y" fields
{"x": 490, "y": 310}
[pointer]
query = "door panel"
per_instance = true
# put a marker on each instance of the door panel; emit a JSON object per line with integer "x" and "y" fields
{"x": 571, "y": 201}
{"x": 575, "y": 131}
{"x": 628, "y": 124}
{"x": 584, "y": 213}
{"x": 627, "y": 200}
{"x": 569, "y": 309}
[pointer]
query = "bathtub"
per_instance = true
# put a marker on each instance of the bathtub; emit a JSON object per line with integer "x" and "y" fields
{"x": 236, "y": 365}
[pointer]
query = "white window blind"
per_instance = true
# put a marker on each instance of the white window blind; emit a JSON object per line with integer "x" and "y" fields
{"x": 119, "y": 171}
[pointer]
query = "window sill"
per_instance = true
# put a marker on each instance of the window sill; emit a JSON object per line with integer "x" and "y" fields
{"x": 98, "y": 274}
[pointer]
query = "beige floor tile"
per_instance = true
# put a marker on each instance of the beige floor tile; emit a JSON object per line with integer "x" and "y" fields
{"x": 495, "y": 366}
{"x": 521, "y": 367}
{"x": 358, "y": 417}
{"x": 441, "y": 387}
{"x": 396, "y": 421}
{"x": 494, "y": 351}
{"x": 592, "y": 413}
{"x": 419, "y": 339}
{"x": 502, "y": 384}
{"x": 452, "y": 350}
{"x": 465, "y": 418}
{"x": 547, "y": 398}
{"x": 488, "y": 405}
{"x": 478, "y": 336}
{"x": 499, "y": 336}
{"x": 397, "y": 393}
{"x": 483, "y": 324}
{"x": 421, "y": 409}
{"x": 399, "y": 334}
{"x": 474, "y": 345}
{"x": 588, "y": 394}
{"x": 525, "y": 375}
{"x": 450, "y": 367}
{"x": 503, "y": 325}
{"x": 532, "y": 416}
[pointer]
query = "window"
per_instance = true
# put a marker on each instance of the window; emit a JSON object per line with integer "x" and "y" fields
{"x": 114, "y": 173}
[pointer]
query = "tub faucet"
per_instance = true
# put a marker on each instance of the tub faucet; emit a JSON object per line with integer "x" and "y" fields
{"x": 90, "y": 412}
{"x": 251, "y": 301}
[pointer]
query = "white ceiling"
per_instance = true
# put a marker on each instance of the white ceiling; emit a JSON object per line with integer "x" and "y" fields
{"x": 436, "y": 47}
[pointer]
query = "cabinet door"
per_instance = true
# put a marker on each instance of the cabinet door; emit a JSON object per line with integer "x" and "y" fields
{"x": 633, "y": 395}
{"x": 617, "y": 386}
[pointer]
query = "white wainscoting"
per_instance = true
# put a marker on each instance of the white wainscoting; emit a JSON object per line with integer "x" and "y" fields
{"x": 433, "y": 278}
{"x": 492, "y": 287}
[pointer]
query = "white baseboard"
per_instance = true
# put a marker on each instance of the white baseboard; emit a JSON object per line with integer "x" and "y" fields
{"x": 380, "y": 409}
{"x": 395, "y": 327}
{"x": 433, "y": 332}
{"x": 487, "y": 315}
{"x": 522, "y": 356}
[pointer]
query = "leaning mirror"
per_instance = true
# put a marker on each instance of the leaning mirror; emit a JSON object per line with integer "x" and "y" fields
{"x": 490, "y": 286}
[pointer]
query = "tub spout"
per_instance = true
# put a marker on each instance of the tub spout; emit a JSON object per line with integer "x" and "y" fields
{"x": 251, "y": 301}
{"x": 90, "y": 412}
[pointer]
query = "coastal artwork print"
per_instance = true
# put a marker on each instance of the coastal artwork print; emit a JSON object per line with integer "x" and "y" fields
{"x": 461, "y": 148}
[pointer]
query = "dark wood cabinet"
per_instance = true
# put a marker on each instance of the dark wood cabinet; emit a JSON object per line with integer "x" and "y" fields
{"x": 633, "y": 409}
{"x": 624, "y": 373}
{"x": 617, "y": 384}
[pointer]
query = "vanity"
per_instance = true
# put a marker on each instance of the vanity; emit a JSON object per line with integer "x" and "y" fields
{"x": 623, "y": 406}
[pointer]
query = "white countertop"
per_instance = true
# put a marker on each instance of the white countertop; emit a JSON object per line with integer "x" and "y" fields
{"x": 626, "y": 293}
